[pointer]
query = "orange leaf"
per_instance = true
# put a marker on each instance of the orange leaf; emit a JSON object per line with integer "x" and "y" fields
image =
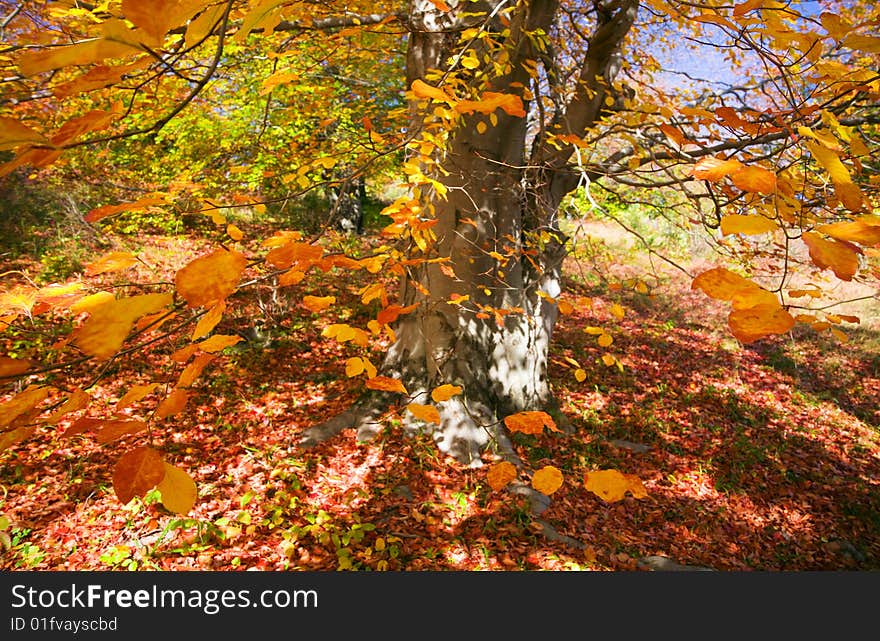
{"x": 864, "y": 230}
{"x": 721, "y": 283}
{"x": 604, "y": 340}
{"x": 10, "y": 438}
{"x": 427, "y": 413}
{"x": 109, "y": 210}
{"x": 136, "y": 393}
{"x": 178, "y": 490}
{"x": 209, "y": 321}
{"x": 714, "y": 169}
{"x": 191, "y": 372}
{"x": 77, "y": 400}
{"x": 423, "y": 90}
{"x": 839, "y": 257}
{"x": 490, "y": 101}
{"x": 547, "y": 480}
{"x": 172, "y": 404}
{"x": 501, "y": 474}
{"x": 137, "y": 472}
{"x": 612, "y": 485}
{"x": 300, "y": 255}
{"x": 530, "y": 422}
{"x": 317, "y": 303}
{"x": 13, "y": 134}
{"x": 22, "y": 403}
{"x": 752, "y": 323}
{"x": 218, "y": 342}
{"x": 210, "y": 279}
{"x": 112, "y": 430}
{"x": 14, "y": 366}
{"x": 385, "y": 384}
{"x": 392, "y": 312}
{"x": 755, "y": 179}
{"x": 444, "y": 392}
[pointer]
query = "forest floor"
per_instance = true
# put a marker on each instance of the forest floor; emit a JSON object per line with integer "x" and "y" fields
{"x": 756, "y": 457}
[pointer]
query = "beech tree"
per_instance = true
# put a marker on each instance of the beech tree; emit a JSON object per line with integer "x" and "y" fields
{"x": 511, "y": 106}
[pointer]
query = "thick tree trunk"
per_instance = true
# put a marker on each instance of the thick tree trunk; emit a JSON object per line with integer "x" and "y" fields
{"x": 497, "y": 230}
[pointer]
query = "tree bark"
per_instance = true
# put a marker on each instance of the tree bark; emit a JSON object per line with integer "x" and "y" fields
{"x": 498, "y": 228}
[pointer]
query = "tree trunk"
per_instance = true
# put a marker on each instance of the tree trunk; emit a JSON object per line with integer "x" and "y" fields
{"x": 497, "y": 226}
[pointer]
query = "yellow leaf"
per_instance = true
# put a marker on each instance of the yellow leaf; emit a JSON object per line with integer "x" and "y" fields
{"x": 750, "y": 324}
{"x": 209, "y": 279}
{"x": 209, "y": 321}
{"x": 385, "y": 384}
{"x": 178, "y": 490}
{"x": 199, "y": 28}
{"x": 547, "y": 480}
{"x": 80, "y": 53}
{"x": 617, "y": 311}
{"x": 137, "y": 472}
{"x": 500, "y": 474}
{"x": 265, "y": 16}
{"x": 234, "y": 232}
{"x": 133, "y": 395}
{"x": 172, "y": 404}
{"x": 755, "y": 179}
{"x": 608, "y": 359}
{"x": 91, "y": 301}
{"x": 580, "y": 375}
{"x": 444, "y": 392}
{"x": 604, "y": 340}
{"x": 611, "y": 485}
{"x": 13, "y": 133}
{"x": 427, "y": 413}
{"x": 839, "y": 257}
{"x": 530, "y": 422}
{"x": 565, "y": 308}
{"x": 594, "y": 331}
{"x": 317, "y": 303}
{"x": 748, "y": 225}
{"x": 354, "y": 366}
{"x": 848, "y": 193}
{"x": 108, "y": 325}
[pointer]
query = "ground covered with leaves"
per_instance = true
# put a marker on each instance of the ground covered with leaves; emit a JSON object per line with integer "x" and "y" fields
{"x": 757, "y": 457}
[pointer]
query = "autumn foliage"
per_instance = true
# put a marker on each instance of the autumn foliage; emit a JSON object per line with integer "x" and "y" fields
{"x": 779, "y": 173}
